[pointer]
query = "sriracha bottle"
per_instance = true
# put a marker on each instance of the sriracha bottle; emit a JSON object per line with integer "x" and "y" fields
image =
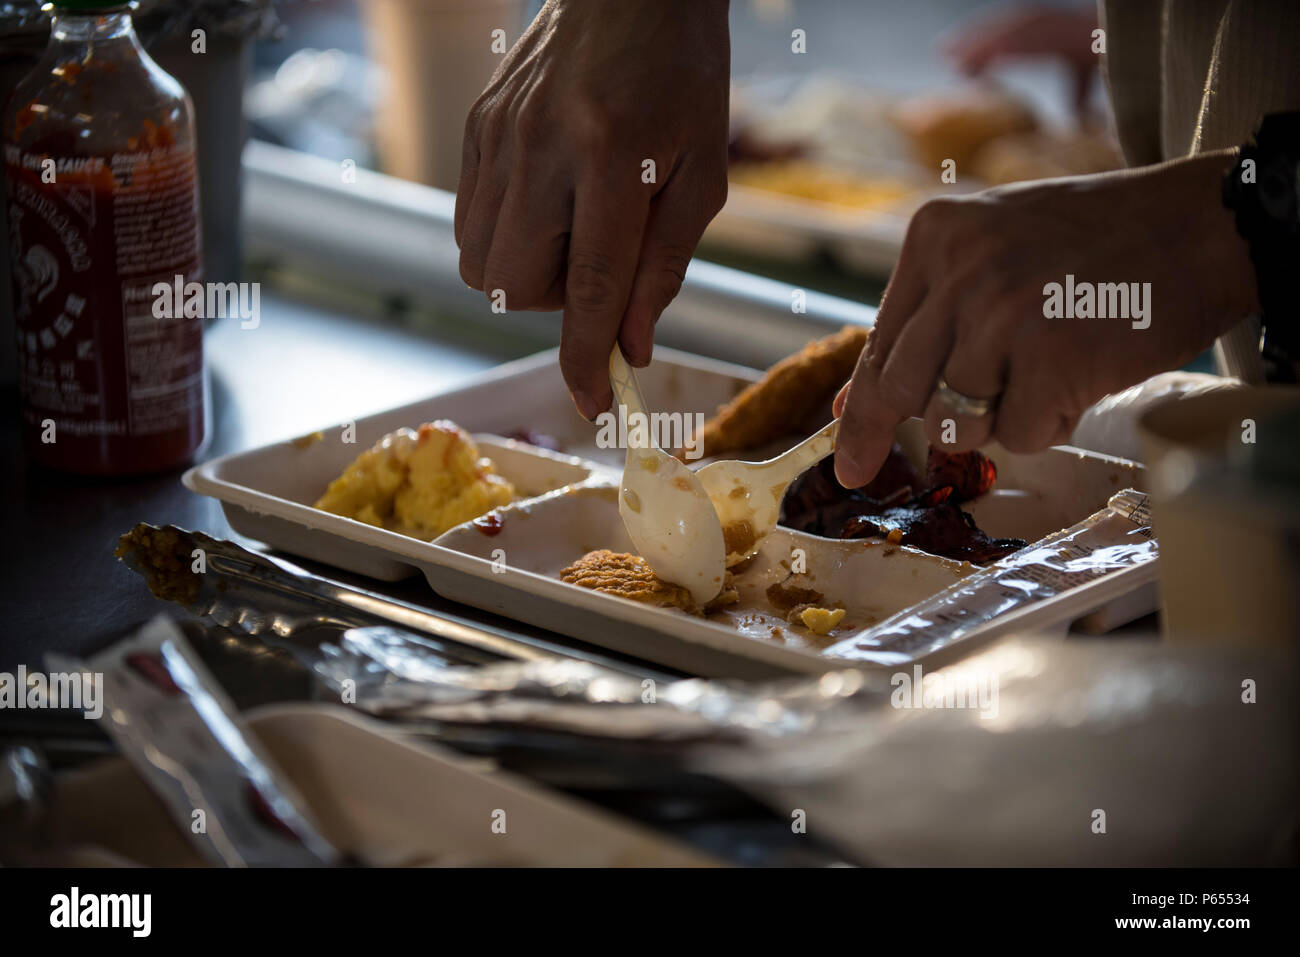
{"x": 102, "y": 194}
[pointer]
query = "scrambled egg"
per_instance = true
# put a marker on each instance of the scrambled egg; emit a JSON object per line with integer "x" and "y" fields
{"x": 418, "y": 483}
{"x": 821, "y": 620}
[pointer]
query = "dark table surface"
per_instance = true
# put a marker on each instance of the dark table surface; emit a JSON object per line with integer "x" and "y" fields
{"x": 304, "y": 367}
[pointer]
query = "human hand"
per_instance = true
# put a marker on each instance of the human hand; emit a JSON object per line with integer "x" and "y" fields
{"x": 969, "y": 302}
{"x": 1028, "y": 31}
{"x": 554, "y": 207}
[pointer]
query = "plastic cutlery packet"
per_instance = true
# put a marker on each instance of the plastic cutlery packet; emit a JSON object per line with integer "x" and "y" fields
{"x": 1117, "y": 538}
{"x": 178, "y": 729}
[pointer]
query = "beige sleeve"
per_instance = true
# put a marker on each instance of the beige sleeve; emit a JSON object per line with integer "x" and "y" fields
{"x": 1131, "y": 66}
{"x": 1254, "y": 70}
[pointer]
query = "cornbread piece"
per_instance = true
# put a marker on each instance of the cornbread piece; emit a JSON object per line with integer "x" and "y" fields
{"x": 781, "y": 402}
{"x": 418, "y": 483}
{"x": 631, "y": 577}
{"x": 165, "y": 558}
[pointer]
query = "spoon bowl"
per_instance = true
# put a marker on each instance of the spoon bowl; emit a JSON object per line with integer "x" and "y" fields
{"x": 669, "y": 516}
{"x": 747, "y": 495}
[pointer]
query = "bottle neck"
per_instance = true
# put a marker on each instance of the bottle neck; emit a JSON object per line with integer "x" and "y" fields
{"x": 87, "y": 26}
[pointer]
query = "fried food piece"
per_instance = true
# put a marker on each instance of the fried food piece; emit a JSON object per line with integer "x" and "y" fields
{"x": 165, "y": 559}
{"x": 631, "y": 577}
{"x": 789, "y": 392}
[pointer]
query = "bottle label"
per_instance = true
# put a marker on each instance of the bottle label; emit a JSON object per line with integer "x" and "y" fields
{"x": 89, "y": 238}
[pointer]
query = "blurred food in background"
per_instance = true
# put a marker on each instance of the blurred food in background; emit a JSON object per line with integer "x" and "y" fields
{"x": 842, "y": 166}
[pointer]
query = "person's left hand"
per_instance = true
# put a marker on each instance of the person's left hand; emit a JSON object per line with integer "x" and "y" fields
{"x": 967, "y": 303}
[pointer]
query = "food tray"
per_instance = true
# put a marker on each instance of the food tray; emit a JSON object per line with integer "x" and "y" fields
{"x": 569, "y": 507}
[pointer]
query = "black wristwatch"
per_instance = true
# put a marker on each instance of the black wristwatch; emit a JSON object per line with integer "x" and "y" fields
{"x": 1263, "y": 191}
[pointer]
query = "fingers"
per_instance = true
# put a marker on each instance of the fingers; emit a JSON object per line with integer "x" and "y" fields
{"x": 677, "y": 219}
{"x": 469, "y": 160}
{"x": 977, "y": 367}
{"x": 609, "y": 220}
{"x": 529, "y": 243}
{"x": 1032, "y": 414}
{"x": 893, "y": 380}
{"x": 903, "y": 295}
{"x": 484, "y": 205}
{"x": 837, "y": 407}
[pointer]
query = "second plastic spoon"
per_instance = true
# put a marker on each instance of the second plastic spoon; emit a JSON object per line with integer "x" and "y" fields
{"x": 747, "y": 495}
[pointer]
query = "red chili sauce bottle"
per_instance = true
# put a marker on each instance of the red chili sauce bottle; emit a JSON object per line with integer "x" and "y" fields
{"x": 102, "y": 193}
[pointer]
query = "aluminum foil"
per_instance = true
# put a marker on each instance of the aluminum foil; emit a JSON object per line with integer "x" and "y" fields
{"x": 383, "y": 672}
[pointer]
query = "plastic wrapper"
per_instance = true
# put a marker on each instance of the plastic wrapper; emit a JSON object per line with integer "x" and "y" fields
{"x": 1098, "y": 752}
{"x": 1116, "y": 539}
{"x": 1111, "y": 425}
{"x": 176, "y": 726}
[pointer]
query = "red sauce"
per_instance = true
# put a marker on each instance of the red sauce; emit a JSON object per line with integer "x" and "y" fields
{"x": 490, "y": 524}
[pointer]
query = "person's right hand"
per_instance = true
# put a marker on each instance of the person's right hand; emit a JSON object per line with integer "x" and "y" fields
{"x": 553, "y": 208}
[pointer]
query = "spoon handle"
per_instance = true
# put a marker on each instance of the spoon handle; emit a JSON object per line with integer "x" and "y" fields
{"x": 789, "y": 465}
{"x": 627, "y": 391}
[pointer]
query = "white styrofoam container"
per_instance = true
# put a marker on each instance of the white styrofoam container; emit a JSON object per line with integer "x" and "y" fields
{"x": 569, "y": 507}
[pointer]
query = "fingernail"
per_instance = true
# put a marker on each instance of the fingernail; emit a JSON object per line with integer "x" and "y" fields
{"x": 588, "y": 406}
{"x": 847, "y": 471}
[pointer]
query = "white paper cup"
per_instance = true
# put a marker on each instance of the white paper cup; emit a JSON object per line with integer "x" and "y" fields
{"x": 439, "y": 56}
{"x": 1226, "y": 516}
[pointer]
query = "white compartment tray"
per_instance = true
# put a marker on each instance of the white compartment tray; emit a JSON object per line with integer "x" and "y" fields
{"x": 569, "y": 507}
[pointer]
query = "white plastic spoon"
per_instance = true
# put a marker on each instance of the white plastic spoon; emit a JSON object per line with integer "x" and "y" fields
{"x": 668, "y": 515}
{"x": 747, "y": 495}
